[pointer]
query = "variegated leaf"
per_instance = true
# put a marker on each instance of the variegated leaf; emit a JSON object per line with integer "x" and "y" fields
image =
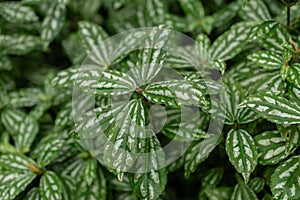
{"x": 218, "y": 193}
{"x": 68, "y": 187}
{"x": 15, "y": 162}
{"x": 198, "y": 152}
{"x": 149, "y": 185}
{"x": 290, "y": 134}
{"x": 263, "y": 30}
{"x": 90, "y": 171}
{"x": 274, "y": 108}
{"x": 193, "y": 9}
{"x": 15, "y": 12}
{"x": 95, "y": 45}
{"x": 50, "y": 186}
{"x": 294, "y": 74}
{"x": 9, "y": 190}
{"x": 254, "y": 10}
{"x": 257, "y": 184}
{"x": 5, "y": 63}
{"x": 242, "y": 152}
{"x": 151, "y": 59}
{"x": 230, "y": 43}
{"x": 64, "y": 116}
{"x": 242, "y": 191}
{"x": 25, "y": 97}
{"x": 53, "y": 22}
{"x": 285, "y": 181}
{"x": 212, "y": 177}
{"x": 175, "y": 93}
{"x": 267, "y": 59}
{"x": 271, "y": 148}
{"x": 47, "y": 150}
{"x": 184, "y": 131}
{"x": 202, "y": 47}
{"x": 33, "y": 194}
{"x": 18, "y": 44}
{"x": 23, "y": 128}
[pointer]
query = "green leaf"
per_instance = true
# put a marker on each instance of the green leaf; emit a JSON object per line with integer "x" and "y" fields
{"x": 151, "y": 59}
{"x": 202, "y": 47}
{"x": 225, "y": 14}
{"x": 290, "y": 134}
{"x": 220, "y": 193}
{"x": 53, "y": 22}
{"x": 17, "y": 44}
{"x": 242, "y": 191}
{"x": 74, "y": 48}
{"x": 294, "y": 74}
{"x": 193, "y": 9}
{"x": 68, "y": 187}
{"x": 108, "y": 82}
{"x": 15, "y": 12}
{"x": 198, "y": 152}
{"x": 267, "y": 59}
{"x": 212, "y": 178}
{"x": 5, "y": 63}
{"x": 50, "y": 186}
{"x": 263, "y": 30}
{"x": 175, "y": 93}
{"x": 274, "y": 108}
{"x": 48, "y": 149}
{"x": 25, "y": 97}
{"x": 285, "y": 180}
{"x": 15, "y": 162}
{"x": 257, "y": 184}
{"x": 242, "y": 152}
{"x": 23, "y": 128}
{"x": 149, "y": 185}
{"x": 90, "y": 171}
{"x": 271, "y": 148}
{"x": 255, "y": 10}
{"x": 9, "y": 190}
{"x": 184, "y": 131}
{"x": 33, "y": 194}
{"x": 230, "y": 43}
{"x": 64, "y": 116}
{"x": 93, "y": 37}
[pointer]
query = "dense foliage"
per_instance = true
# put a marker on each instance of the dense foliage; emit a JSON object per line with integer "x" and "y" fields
{"x": 52, "y": 132}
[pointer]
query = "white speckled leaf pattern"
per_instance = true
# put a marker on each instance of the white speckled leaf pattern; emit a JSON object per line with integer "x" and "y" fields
{"x": 274, "y": 108}
{"x": 242, "y": 152}
{"x": 285, "y": 181}
{"x": 50, "y": 186}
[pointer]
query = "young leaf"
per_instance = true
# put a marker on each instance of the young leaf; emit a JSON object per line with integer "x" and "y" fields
{"x": 241, "y": 149}
{"x": 274, "y": 108}
{"x": 271, "y": 148}
{"x": 267, "y": 59}
{"x": 230, "y": 43}
{"x": 53, "y": 22}
{"x": 11, "y": 189}
{"x": 198, "y": 152}
{"x": 255, "y": 10}
{"x": 285, "y": 180}
{"x": 22, "y": 128}
{"x": 50, "y": 186}
{"x": 242, "y": 191}
{"x": 15, "y": 12}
